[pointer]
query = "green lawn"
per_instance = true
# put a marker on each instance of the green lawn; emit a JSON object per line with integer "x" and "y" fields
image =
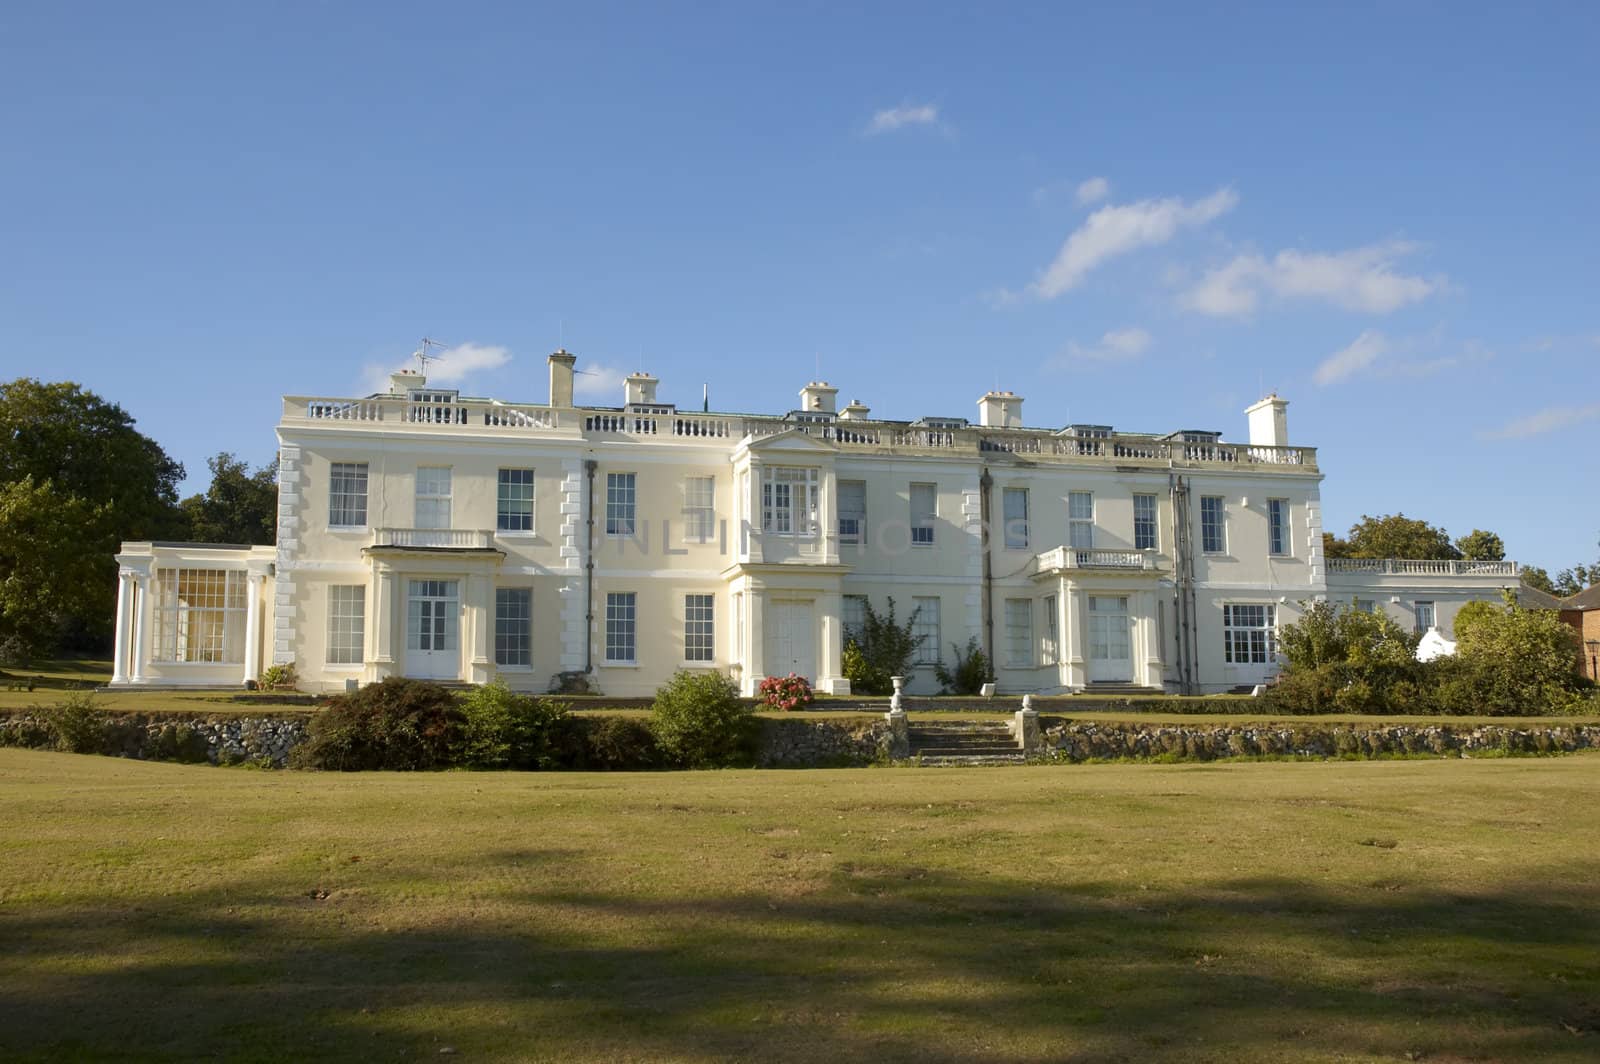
{"x": 1446, "y": 910}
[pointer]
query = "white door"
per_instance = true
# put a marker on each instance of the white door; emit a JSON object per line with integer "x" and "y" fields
{"x": 433, "y": 637}
{"x": 1110, "y": 640}
{"x": 791, "y": 640}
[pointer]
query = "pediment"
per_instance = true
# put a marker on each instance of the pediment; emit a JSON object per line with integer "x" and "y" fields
{"x": 792, "y": 440}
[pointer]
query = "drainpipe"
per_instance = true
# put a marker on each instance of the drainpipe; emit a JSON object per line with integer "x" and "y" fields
{"x": 1183, "y": 565}
{"x": 985, "y": 483}
{"x": 589, "y": 467}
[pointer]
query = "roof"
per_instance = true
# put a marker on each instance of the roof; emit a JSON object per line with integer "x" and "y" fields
{"x": 1583, "y": 600}
{"x": 1532, "y": 598}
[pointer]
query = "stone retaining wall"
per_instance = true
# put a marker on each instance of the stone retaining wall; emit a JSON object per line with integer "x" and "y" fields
{"x": 228, "y": 740}
{"x": 816, "y": 743}
{"x": 1088, "y": 740}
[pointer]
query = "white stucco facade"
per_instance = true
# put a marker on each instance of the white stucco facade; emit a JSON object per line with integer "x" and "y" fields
{"x": 426, "y": 534}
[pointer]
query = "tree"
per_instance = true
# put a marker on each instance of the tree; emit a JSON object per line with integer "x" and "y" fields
{"x": 1399, "y": 536}
{"x": 53, "y": 556}
{"x": 89, "y": 449}
{"x": 1334, "y": 547}
{"x": 1481, "y": 546}
{"x": 1512, "y": 660}
{"x": 1536, "y": 577}
{"x": 238, "y": 507}
{"x": 883, "y": 648}
{"x": 79, "y": 479}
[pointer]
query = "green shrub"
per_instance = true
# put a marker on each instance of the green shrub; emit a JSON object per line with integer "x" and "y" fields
{"x": 396, "y": 724}
{"x": 179, "y": 742}
{"x": 279, "y": 677}
{"x": 699, "y": 721}
{"x": 502, "y": 728}
{"x": 78, "y": 725}
{"x": 970, "y": 672}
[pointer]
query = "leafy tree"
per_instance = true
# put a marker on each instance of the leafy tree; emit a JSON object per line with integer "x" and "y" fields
{"x": 238, "y": 507}
{"x": 1334, "y": 547}
{"x": 1512, "y": 660}
{"x": 54, "y": 552}
{"x": 1399, "y": 536}
{"x": 1344, "y": 660}
{"x": 883, "y": 649}
{"x": 1481, "y": 546}
{"x": 79, "y": 479}
{"x": 1536, "y": 577}
{"x": 89, "y": 449}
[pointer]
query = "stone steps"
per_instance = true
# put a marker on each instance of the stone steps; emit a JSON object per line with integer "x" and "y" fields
{"x": 963, "y": 743}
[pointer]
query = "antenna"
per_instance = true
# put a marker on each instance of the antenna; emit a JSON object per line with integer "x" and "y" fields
{"x": 422, "y": 356}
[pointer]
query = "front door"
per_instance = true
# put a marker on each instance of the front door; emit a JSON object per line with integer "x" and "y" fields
{"x": 792, "y": 640}
{"x": 433, "y": 639}
{"x": 1110, "y": 650}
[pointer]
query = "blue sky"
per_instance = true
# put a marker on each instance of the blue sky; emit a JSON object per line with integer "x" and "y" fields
{"x": 1136, "y": 216}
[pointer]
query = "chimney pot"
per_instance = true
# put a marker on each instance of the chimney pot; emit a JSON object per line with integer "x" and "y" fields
{"x": 561, "y": 363}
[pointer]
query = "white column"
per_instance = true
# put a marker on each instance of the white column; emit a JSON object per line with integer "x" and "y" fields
{"x": 380, "y": 636}
{"x": 141, "y": 627}
{"x": 124, "y": 638}
{"x": 252, "y": 627}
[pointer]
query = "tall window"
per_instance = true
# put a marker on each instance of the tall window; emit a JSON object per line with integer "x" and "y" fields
{"x": 789, "y": 501}
{"x": 1366, "y": 605}
{"x": 1278, "y": 526}
{"x": 926, "y": 626}
{"x": 924, "y": 511}
{"x": 699, "y": 626}
{"x": 1080, "y": 519}
{"x": 1425, "y": 616}
{"x": 1248, "y": 634}
{"x": 1014, "y": 507}
{"x": 853, "y": 617}
{"x": 1019, "y": 633}
{"x": 347, "y": 495}
{"x": 620, "y": 640}
{"x": 620, "y": 502}
{"x": 1213, "y": 525}
{"x": 513, "y": 626}
{"x": 347, "y": 624}
{"x": 852, "y": 511}
{"x": 1144, "y": 522}
{"x": 199, "y": 615}
{"x": 433, "y": 496}
{"x": 1052, "y": 638}
{"x": 699, "y": 510}
{"x": 513, "y": 510}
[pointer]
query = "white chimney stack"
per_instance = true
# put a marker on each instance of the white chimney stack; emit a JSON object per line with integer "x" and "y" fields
{"x": 402, "y": 381}
{"x": 561, "y": 364}
{"x": 818, "y": 397}
{"x": 856, "y": 411}
{"x": 639, "y": 389}
{"x": 1000, "y": 410}
{"x": 1269, "y": 425}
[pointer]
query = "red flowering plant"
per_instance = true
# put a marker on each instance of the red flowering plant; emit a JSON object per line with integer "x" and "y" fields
{"x": 785, "y": 692}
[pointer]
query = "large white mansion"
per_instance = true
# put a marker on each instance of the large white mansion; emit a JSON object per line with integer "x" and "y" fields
{"x": 422, "y": 533}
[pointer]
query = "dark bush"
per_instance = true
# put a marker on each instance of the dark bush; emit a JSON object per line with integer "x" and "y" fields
{"x": 699, "y": 721}
{"x": 970, "y": 671}
{"x": 396, "y": 724}
{"x": 621, "y": 744}
{"x": 179, "y": 742}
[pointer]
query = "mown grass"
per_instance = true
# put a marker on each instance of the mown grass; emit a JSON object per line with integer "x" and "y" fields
{"x": 1433, "y": 910}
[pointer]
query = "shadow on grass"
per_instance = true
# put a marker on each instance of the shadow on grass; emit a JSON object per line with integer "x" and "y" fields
{"x": 885, "y": 961}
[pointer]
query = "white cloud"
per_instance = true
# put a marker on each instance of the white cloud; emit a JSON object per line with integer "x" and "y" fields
{"x": 1117, "y": 230}
{"x": 894, "y": 118}
{"x": 1118, "y": 345}
{"x": 1547, "y": 420}
{"x": 599, "y": 382}
{"x": 1361, "y": 279}
{"x": 1094, "y": 190}
{"x": 1361, "y": 353}
{"x": 450, "y": 365}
